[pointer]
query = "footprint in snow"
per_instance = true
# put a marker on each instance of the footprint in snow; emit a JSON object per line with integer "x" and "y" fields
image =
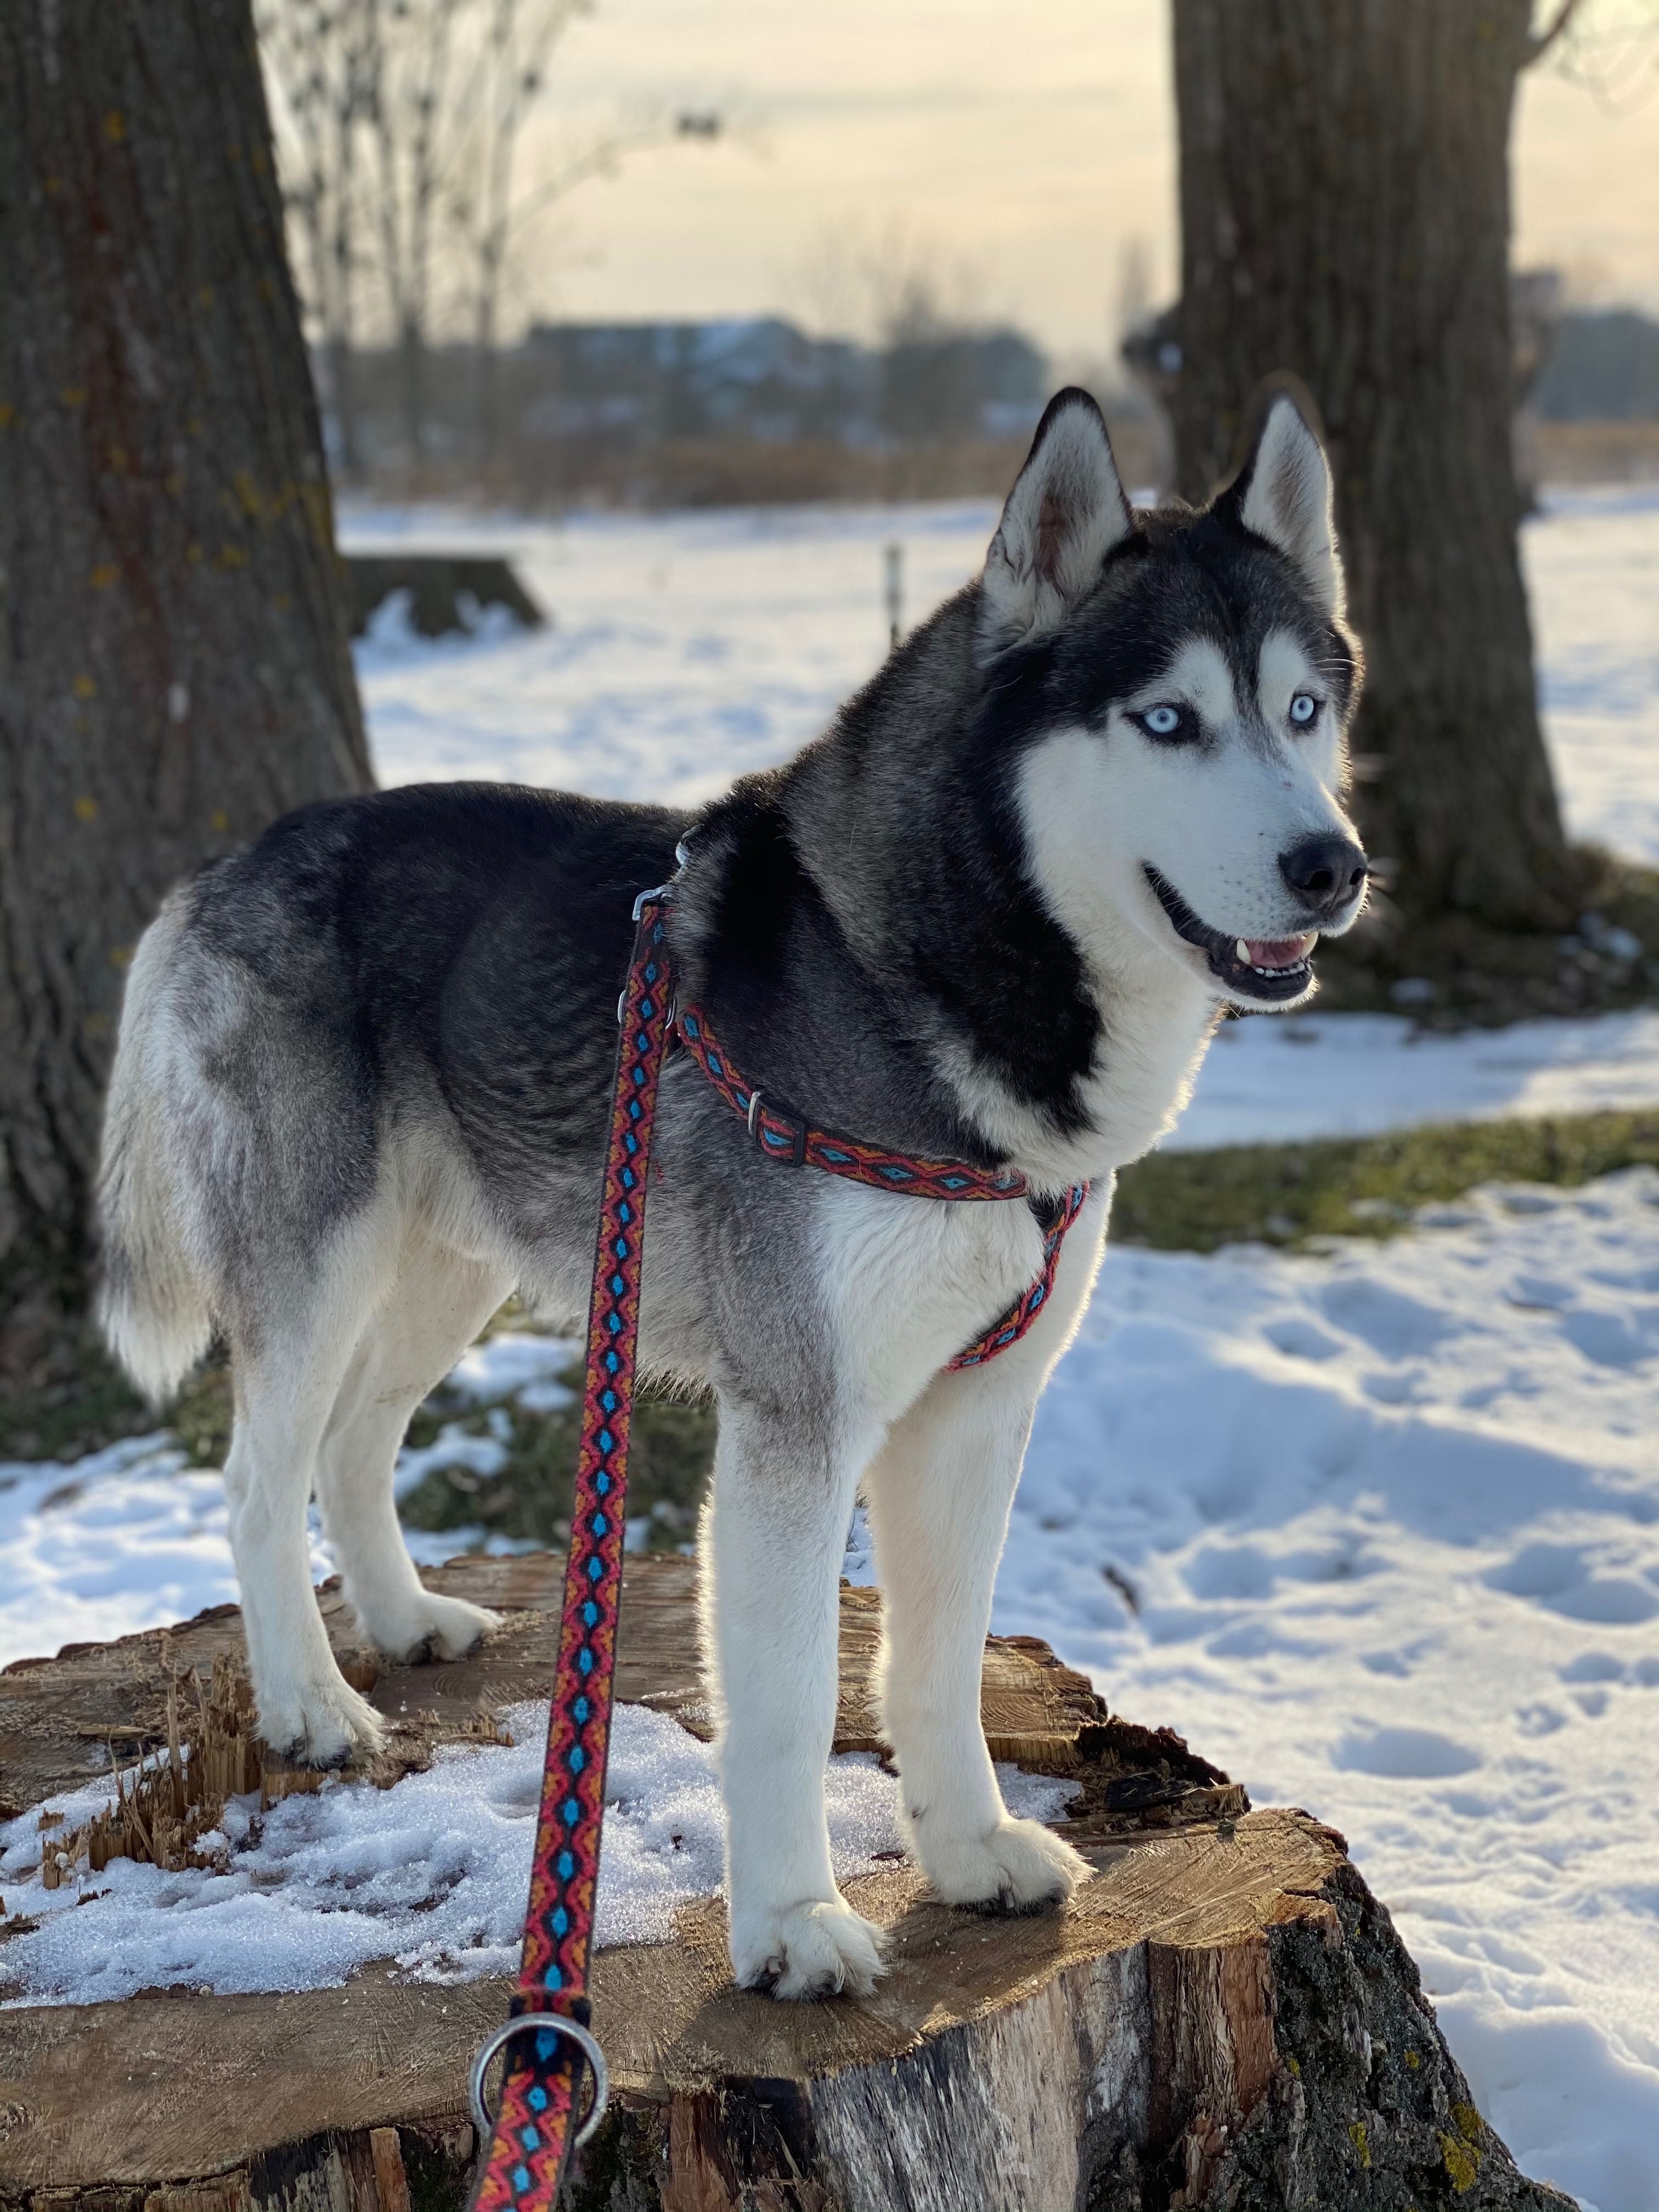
{"x": 1404, "y": 1755}
{"x": 1398, "y": 1327}
{"x": 1610, "y": 1339}
{"x": 1298, "y": 1338}
{"x": 1569, "y": 1579}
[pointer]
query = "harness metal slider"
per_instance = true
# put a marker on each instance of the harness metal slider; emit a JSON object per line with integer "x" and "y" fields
{"x": 796, "y": 1156}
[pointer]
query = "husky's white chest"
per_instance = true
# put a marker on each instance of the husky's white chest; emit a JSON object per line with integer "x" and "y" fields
{"x": 911, "y": 1281}
{"x": 1152, "y": 1045}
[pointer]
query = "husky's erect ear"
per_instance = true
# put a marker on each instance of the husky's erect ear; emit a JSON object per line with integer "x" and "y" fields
{"x": 1064, "y": 515}
{"x": 1283, "y": 493}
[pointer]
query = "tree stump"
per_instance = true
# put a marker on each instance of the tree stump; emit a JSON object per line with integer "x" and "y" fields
{"x": 1224, "y": 2017}
{"x": 437, "y": 583}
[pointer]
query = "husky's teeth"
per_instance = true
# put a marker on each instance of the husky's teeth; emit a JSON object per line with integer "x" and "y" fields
{"x": 1243, "y": 952}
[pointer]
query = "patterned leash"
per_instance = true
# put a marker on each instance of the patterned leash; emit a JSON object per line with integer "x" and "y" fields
{"x": 547, "y": 2038}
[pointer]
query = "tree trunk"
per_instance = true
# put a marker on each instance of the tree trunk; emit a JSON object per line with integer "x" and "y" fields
{"x": 173, "y": 663}
{"x": 1345, "y": 213}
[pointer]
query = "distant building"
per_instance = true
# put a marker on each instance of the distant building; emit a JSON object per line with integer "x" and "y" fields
{"x": 642, "y": 384}
{"x": 695, "y": 413}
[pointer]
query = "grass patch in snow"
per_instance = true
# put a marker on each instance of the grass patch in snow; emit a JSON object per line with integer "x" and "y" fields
{"x": 525, "y": 1497}
{"x": 1196, "y": 1201}
{"x": 94, "y": 1405}
{"x": 1360, "y": 1186}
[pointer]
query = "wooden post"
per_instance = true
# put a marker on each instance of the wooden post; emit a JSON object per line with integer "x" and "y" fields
{"x": 893, "y": 568}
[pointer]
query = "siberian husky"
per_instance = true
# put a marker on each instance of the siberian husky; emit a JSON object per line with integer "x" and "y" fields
{"x": 994, "y": 914}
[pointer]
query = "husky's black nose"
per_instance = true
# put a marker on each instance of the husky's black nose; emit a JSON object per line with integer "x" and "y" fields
{"x": 1326, "y": 873}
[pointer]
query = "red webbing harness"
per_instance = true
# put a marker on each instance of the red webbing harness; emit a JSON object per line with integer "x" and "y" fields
{"x": 546, "y": 2037}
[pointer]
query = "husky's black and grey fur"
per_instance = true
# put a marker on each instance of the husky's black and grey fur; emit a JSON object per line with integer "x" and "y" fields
{"x": 993, "y": 914}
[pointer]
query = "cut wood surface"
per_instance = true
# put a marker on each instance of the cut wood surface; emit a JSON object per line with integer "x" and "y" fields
{"x": 60, "y": 1717}
{"x": 1223, "y": 2016}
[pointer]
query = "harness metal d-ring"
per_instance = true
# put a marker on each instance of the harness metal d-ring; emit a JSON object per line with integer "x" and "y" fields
{"x": 554, "y": 2023}
{"x": 754, "y": 1109}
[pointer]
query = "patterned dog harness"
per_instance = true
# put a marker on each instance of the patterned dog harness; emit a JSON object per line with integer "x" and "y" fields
{"x": 782, "y": 1137}
{"x": 547, "y": 2037}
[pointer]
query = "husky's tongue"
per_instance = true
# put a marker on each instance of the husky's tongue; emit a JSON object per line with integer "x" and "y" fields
{"x": 1275, "y": 951}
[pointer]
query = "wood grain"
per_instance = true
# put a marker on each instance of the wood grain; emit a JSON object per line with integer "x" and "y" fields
{"x": 59, "y": 1717}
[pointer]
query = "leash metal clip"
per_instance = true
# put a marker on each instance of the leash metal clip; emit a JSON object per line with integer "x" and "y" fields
{"x": 682, "y": 861}
{"x": 551, "y": 2023}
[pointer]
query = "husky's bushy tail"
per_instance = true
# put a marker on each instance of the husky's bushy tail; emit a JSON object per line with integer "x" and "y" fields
{"x": 153, "y": 1296}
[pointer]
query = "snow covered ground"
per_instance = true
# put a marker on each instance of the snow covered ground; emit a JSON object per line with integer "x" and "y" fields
{"x": 1592, "y": 563}
{"x": 1277, "y": 1080}
{"x": 1383, "y": 1520}
{"x": 688, "y": 648}
{"x": 1390, "y": 1520}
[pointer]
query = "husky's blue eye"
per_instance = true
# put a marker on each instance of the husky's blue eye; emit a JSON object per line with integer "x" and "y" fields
{"x": 1304, "y": 707}
{"x": 1163, "y": 721}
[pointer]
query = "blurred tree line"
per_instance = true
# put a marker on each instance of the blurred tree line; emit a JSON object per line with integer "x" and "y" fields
{"x": 732, "y": 410}
{"x": 401, "y": 128}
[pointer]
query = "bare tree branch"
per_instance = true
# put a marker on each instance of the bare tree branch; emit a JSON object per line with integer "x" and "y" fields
{"x": 1541, "y": 41}
{"x": 403, "y": 123}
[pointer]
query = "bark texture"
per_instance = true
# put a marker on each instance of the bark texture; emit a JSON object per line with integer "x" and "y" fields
{"x": 174, "y": 661}
{"x": 1346, "y": 215}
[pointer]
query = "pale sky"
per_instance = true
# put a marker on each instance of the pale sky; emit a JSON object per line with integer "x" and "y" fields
{"x": 1026, "y": 145}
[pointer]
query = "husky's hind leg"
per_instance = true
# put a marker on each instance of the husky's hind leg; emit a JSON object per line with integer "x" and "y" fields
{"x": 287, "y": 1375}
{"x": 773, "y": 1540}
{"x": 939, "y": 1493}
{"x": 439, "y": 1302}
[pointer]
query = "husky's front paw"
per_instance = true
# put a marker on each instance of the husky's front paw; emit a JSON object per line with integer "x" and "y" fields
{"x": 428, "y": 1627}
{"x": 1020, "y": 1867}
{"x": 320, "y": 1724}
{"x": 814, "y": 1950}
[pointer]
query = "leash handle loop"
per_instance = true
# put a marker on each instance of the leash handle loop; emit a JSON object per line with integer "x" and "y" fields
{"x": 541, "y": 2024}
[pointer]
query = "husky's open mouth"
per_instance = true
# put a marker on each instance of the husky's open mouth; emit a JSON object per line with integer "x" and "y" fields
{"x": 1261, "y": 967}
